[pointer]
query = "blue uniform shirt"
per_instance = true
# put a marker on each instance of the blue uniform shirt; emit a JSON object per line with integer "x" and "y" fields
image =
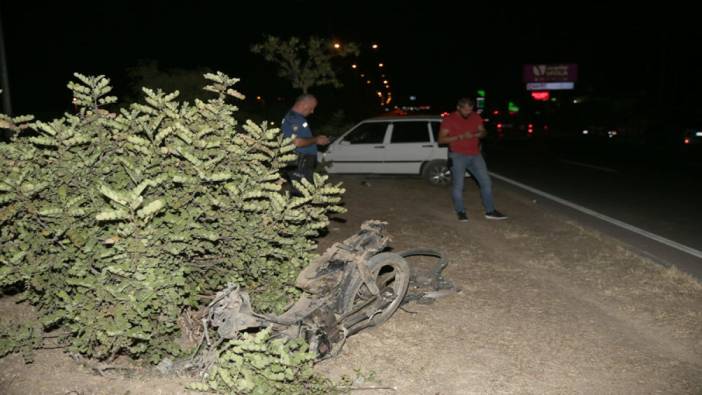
{"x": 295, "y": 123}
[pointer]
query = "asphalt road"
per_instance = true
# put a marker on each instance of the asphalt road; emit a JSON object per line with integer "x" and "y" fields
{"x": 655, "y": 192}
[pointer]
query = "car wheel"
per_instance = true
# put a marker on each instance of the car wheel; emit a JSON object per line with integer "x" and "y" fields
{"x": 437, "y": 173}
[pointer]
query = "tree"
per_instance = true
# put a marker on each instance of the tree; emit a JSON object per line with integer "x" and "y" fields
{"x": 305, "y": 64}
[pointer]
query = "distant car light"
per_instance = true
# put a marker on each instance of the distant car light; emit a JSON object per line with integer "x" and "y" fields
{"x": 698, "y": 133}
{"x": 586, "y": 131}
{"x": 686, "y": 141}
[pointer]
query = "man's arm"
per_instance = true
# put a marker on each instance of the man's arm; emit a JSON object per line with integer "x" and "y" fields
{"x": 304, "y": 142}
{"x": 444, "y": 137}
{"x": 481, "y": 132}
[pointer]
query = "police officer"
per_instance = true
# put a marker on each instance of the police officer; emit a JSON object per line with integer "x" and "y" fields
{"x": 295, "y": 124}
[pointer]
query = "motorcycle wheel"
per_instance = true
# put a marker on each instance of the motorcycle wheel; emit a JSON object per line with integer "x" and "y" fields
{"x": 390, "y": 271}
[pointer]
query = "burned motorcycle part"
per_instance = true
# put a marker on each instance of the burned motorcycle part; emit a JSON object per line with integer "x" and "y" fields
{"x": 425, "y": 288}
{"x": 324, "y": 274}
{"x": 230, "y": 312}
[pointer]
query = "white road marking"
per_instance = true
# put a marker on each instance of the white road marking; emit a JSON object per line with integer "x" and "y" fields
{"x": 616, "y": 222}
{"x": 589, "y": 166}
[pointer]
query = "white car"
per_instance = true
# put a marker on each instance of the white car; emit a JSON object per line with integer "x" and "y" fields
{"x": 391, "y": 145}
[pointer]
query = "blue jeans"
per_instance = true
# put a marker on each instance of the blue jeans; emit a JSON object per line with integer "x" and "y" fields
{"x": 475, "y": 164}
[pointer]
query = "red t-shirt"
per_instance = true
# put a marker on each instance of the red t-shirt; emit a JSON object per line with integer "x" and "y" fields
{"x": 456, "y": 125}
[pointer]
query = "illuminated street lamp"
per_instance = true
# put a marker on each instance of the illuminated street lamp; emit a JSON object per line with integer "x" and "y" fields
{"x": 337, "y": 45}
{"x": 380, "y": 65}
{"x": 374, "y": 46}
{"x": 353, "y": 66}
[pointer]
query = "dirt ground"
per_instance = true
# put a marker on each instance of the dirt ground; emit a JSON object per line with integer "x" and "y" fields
{"x": 546, "y": 306}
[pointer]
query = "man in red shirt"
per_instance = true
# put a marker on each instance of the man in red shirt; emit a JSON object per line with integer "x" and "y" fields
{"x": 462, "y": 131}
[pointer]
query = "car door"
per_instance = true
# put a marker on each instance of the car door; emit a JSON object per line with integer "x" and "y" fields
{"x": 410, "y": 146}
{"x": 441, "y": 150}
{"x": 360, "y": 150}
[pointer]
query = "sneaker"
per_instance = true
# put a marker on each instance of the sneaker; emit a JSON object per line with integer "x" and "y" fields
{"x": 462, "y": 216}
{"x": 495, "y": 215}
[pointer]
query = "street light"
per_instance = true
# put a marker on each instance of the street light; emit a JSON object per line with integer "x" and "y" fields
{"x": 337, "y": 45}
{"x": 380, "y": 65}
{"x": 374, "y": 46}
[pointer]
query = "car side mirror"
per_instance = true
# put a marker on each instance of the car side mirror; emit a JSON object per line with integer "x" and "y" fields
{"x": 344, "y": 142}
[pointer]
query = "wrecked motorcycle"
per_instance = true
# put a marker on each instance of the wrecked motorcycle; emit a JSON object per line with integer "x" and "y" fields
{"x": 354, "y": 285}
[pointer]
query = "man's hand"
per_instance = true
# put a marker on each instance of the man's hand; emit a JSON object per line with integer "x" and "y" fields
{"x": 322, "y": 140}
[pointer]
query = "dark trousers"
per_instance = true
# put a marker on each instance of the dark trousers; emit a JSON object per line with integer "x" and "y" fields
{"x": 303, "y": 167}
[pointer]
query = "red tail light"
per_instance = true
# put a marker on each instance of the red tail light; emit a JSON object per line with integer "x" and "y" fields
{"x": 687, "y": 140}
{"x": 499, "y": 126}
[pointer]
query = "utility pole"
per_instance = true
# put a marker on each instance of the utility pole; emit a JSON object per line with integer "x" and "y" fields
{"x": 4, "y": 76}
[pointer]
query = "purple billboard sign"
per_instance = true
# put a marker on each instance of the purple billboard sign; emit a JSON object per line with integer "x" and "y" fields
{"x": 550, "y": 72}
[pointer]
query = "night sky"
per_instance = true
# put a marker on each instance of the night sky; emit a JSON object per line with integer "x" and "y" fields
{"x": 434, "y": 51}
